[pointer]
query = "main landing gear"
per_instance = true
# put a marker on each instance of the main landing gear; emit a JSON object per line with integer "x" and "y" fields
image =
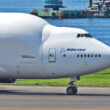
{"x": 72, "y": 89}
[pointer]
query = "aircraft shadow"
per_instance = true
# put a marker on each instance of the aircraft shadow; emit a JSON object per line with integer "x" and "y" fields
{"x": 12, "y": 92}
{"x": 87, "y": 94}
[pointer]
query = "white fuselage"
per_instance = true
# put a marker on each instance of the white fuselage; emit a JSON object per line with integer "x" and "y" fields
{"x": 30, "y": 48}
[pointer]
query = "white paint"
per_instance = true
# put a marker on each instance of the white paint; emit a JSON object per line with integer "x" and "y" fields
{"x": 25, "y": 41}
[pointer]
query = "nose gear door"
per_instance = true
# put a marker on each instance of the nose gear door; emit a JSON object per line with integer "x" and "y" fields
{"x": 52, "y": 55}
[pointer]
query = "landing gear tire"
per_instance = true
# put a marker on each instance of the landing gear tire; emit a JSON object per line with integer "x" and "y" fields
{"x": 71, "y": 90}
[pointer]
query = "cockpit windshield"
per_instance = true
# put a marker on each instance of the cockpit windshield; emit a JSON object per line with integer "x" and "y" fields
{"x": 84, "y": 35}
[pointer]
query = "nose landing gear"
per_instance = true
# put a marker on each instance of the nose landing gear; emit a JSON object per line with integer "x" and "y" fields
{"x": 72, "y": 89}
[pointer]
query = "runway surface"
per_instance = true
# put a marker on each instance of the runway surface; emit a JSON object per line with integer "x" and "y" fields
{"x": 48, "y": 98}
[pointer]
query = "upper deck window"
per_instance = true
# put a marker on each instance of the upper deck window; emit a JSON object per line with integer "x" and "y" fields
{"x": 84, "y": 35}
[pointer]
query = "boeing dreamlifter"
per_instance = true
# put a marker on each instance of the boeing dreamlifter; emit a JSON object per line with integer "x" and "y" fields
{"x": 30, "y": 48}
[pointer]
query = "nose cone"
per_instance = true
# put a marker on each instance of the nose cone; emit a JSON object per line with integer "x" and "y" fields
{"x": 105, "y": 56}
{"x": 104, "y": 50}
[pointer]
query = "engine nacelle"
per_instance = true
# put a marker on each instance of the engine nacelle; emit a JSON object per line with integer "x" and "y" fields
{"x": 7, "y": 80}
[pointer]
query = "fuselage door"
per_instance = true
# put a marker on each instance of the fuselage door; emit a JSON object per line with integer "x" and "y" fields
{"x": 52, "y": 55}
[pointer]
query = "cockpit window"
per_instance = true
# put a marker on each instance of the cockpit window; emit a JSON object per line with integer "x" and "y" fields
{"x": 87, "y": 35}
{"x": 84, "y": 35}
{"x": 79, "y": 35}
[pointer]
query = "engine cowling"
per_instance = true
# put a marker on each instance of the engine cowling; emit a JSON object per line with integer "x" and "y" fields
{"x": 7, "y": 80}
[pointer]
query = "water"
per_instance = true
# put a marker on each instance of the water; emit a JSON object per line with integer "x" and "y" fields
{"x": 28, "y": 5}
{"x": 99, "y": 28}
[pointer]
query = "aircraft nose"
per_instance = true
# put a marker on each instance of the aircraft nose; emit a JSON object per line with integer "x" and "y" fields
{"x": 106, "y": 56}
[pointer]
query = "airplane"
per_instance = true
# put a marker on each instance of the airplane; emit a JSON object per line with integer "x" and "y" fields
{"x": 31, "y": 48}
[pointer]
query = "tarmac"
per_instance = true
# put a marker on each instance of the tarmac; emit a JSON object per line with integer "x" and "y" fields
{"x": 53, "y": 98}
